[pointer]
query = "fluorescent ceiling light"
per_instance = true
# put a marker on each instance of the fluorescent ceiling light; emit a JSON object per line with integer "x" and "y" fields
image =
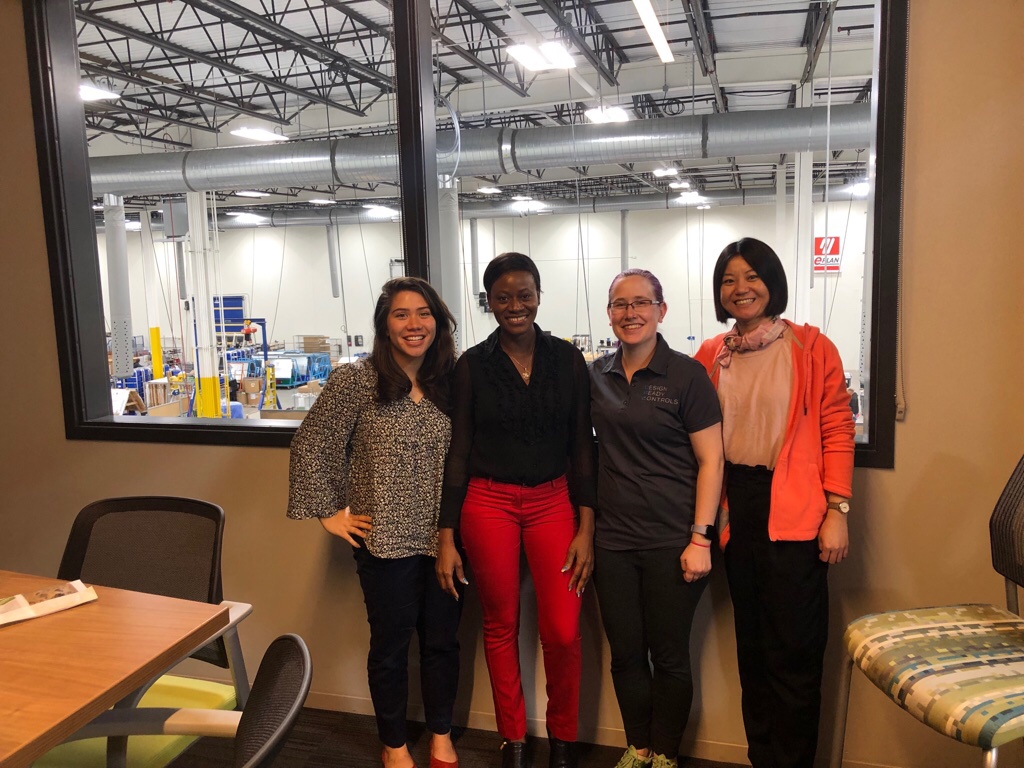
{"x": 679, "y": 185}
{"x": 133, "y": 226}
{"x": 380, "y": 211}
{"x": 258, "y": 134}
{"x": 320, "y": 201}
{"x": 248, "y": 218}
{"x": 550, "y": 55}
{"x": 860, "y": 189}
{"x": 98, "y": 207}
{"x": 607, "y": 115}
{"x": 691, "y": 197}
{"x": 521, "y": 198}
{"x": 528, "y": 205}
{"x": 661, "y": 172}
{"x": 559, "y": 57}
{"x": 89, "y": 92}
{"x": 252, "y": 193}
{"x": 488, "y": 190}
{"x": 654, "y": 31}
{"x": 703, "y": 207}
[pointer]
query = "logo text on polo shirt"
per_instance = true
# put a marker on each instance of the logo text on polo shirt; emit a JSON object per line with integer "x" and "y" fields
{"x": 655, "y": 393}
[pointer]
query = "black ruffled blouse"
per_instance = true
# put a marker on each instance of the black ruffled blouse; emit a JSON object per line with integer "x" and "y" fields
{"x": 511, "y": 432}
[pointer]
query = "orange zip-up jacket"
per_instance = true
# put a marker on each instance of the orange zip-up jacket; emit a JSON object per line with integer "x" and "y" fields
{"x": 817, "y": 450}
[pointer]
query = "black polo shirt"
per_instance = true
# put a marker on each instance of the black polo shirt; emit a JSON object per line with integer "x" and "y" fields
{"x": 647, "y": 473}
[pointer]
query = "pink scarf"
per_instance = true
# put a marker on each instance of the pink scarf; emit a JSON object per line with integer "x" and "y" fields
{"x": 759, "y": 338}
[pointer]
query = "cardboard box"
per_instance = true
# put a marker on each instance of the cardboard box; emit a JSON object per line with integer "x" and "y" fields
{"x": 157, "y": 392}
{"x": 312, "y": 387}
{"x": 173, "y": 409}
{"x": 252, "y": 384}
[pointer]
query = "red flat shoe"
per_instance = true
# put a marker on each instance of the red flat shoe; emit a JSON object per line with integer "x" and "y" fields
{"x": 435, "y": 763}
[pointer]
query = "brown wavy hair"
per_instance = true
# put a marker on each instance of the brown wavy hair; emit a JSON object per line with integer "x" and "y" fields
{"x": 435, "y": 374}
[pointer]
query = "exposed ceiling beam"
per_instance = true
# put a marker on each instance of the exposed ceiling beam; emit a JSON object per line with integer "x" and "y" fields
{"x": 704, "y": 49}
{"x": 149, "y": 81}
{"x": 112, "y": 110}
{"x": 551, "y": 7}
{"x": 819, "y": 20}
{"x": 261, "y": 25}
{"x": 210, "y": 61}
{"x": 136, "y": 136}
{"x": 479, "y": 63}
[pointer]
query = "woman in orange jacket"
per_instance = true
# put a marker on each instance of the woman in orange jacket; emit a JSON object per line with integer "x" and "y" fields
{"x": 788, "y": 432}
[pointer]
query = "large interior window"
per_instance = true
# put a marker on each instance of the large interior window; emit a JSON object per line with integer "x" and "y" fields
{"x": 224, "y": 215}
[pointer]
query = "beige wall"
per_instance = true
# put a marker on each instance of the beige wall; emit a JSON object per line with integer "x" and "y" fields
{"x": 919, "y": 531}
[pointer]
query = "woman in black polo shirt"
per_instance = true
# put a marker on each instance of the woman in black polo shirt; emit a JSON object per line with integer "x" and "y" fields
{"x": 659, "y": 431}
{"x": 520, "y": 476}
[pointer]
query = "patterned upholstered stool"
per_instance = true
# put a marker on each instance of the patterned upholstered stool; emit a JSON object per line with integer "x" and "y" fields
{"x": 957, "y": 668}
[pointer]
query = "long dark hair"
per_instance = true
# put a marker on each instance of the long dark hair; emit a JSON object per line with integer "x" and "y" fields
{"x": 434, "y": 376}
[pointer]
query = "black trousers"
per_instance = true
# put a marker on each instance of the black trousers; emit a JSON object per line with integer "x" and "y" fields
{"x": 402, "y": 596}
{"x": 780, "y": 599}
{"x": 647, "y": 609}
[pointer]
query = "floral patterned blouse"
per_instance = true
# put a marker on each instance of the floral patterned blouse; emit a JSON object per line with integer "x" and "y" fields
{"x": 382, "y": 460}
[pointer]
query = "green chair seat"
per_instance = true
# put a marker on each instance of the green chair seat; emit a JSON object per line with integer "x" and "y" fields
{"x": 956, "y": 668}
{"x": 147, "y": 751}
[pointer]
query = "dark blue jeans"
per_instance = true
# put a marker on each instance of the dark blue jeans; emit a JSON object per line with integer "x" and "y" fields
{"x": 402, "y": 596}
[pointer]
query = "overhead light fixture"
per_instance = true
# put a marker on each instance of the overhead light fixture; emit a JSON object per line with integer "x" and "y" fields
{"x": 258, "y": 134}
{"x": 860, "y": 188}
{"x": 654, "y": 30}
{"x": 248, "y": 218}
{"x": 88, "y": 92}
{"x": 528, "y": 206}
{"x": 133, "y": 226}
{"x": 321, "y": 201}
{"x": 607, "y": 115}
{"x": 669, "y": 171}
{"x": 252, "y": 193}
{"x": 488, "y": 190}
{"x": 679, "y": 185}
{"x": 380, "y": 211}
{"x": 98, "y": 207}
{"x": 522, "y": 198}
{"x": 550, "y": 55}
{"x": 703, "y": 207}
{"x": 690, "y": 198}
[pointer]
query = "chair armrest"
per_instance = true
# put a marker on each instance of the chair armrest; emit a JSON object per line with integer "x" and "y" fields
{"x": 161, "y": 721}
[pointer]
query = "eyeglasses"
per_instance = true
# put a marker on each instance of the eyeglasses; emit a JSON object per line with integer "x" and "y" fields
{"x": 638, "y": 305}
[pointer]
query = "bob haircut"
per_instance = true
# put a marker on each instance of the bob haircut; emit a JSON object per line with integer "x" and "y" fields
{"x": 435, "y": 374}
{"x": 510, "y": 261}
{"x": 762, "y": 260}
{"x": 659, "y": 294}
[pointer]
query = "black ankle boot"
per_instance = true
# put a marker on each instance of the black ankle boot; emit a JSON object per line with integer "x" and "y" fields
{"x": 513, "y": 755}
{"x": 563, "y": 753}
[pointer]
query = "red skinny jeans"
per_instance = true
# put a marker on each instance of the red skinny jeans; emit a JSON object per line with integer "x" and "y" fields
{"x": 498, "y": 519}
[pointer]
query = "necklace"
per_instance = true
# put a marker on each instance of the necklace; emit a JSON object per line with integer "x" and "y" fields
{"x": 526, "y": 371}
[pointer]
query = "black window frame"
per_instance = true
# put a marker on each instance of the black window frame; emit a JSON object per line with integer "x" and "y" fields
{"x": 75, "y": 276}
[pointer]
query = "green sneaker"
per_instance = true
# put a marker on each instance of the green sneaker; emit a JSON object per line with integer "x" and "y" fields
{"x": 632, "y": 760}
{"x": 660, "y": 761}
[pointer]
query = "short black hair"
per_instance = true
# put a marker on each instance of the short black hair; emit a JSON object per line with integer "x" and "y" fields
{"x": 511, "y": 261}
{"x": 762, "y": 260}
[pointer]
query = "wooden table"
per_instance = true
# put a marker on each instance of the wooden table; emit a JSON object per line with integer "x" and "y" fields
{"x": 58, "y": 672}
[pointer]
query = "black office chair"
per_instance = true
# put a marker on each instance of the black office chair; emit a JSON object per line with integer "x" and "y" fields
{"x": 168, "y": 546}
{"x": 260, "y": 730}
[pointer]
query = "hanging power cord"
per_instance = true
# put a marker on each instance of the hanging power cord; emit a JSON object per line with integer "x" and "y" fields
{"x": 581, "y": 255}
{"x": 835, "y": 293}
{"x": 280, "y": 280}
{"x": 828, "y": 179}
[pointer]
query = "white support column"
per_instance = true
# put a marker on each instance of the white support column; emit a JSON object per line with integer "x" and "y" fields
{"x": 445, "y": 271}
{"x": 154, "y": 299}
{"x": 201, "y": 290}
{"x": 119, "y": 298}
{"x": 333, "y": 261}
{"x": 803, "y": 227}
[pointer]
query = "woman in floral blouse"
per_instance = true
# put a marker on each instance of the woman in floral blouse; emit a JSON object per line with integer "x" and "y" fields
{"x": 368, "y": 462}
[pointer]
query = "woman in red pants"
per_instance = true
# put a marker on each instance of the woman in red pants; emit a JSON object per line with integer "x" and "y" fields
{"x": 520, "y": 475}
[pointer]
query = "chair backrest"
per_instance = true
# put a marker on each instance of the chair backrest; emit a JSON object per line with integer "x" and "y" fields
{"x": 164, "y": 545}
{"x": 1006, "y": 528}
{"x": 277, "y": 696}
